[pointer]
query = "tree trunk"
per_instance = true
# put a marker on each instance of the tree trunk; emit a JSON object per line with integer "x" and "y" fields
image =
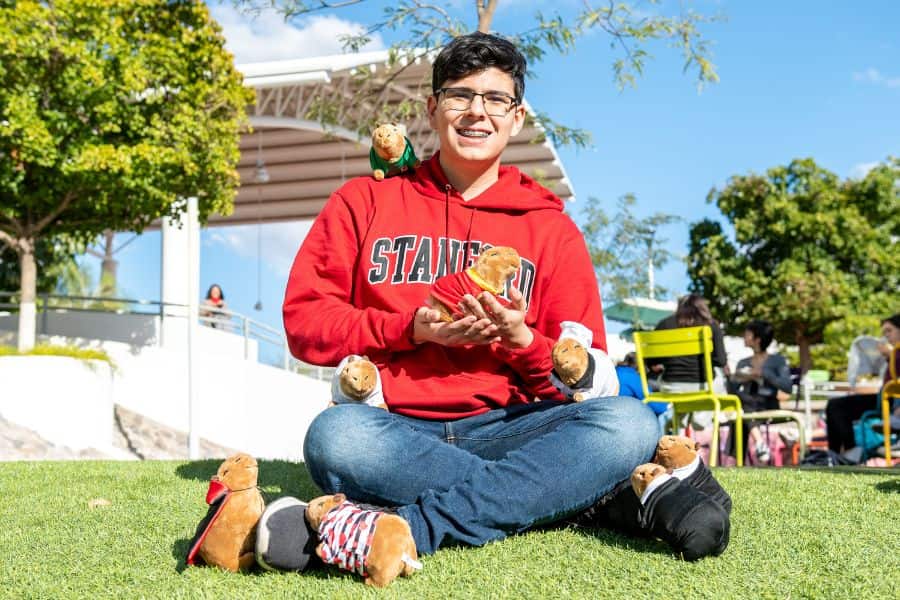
{"x": 486, "y": 10}
{"x": 108, "y": 266}
{"x": 28, "y": 292}
{"x": 803, "y": 346}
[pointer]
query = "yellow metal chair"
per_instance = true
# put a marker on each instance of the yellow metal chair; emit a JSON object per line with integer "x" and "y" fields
{"x": 890, "y": 391}
{"x": 689, "y": 341}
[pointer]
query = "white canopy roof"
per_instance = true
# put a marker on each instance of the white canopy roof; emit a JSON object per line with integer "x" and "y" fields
{"x": 306, "y": 163}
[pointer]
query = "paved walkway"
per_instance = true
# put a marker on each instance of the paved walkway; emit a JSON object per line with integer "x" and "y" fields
{"x": 134, "y": 438}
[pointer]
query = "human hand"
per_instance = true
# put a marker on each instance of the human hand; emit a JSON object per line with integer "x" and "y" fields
{"x": 509, "y": 321}
{"x": 429, "y": 327}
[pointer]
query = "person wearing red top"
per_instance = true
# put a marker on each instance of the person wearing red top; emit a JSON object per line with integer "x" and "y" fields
{"x": 478, "y": 443}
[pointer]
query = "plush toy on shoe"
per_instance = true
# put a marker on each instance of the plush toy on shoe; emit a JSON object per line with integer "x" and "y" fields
{"x": 357, "y": 380}
{"x": 493, "y": 268}
{"x": 377, "y": 545}
{"x": 391, "y": 152}
{"x": 579, "y": 371}
{"x": 226, "y": 537}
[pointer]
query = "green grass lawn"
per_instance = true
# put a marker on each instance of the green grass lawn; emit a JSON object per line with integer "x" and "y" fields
{"x": 795, "y": 534}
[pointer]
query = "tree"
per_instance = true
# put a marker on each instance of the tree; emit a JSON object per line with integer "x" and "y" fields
{"x": 808, "y": 249}
{"x": 51, "y": 256}
{"x": 625, "y": 249}
{"x": 111, "y": 115}
{"x": 429, "y": 25}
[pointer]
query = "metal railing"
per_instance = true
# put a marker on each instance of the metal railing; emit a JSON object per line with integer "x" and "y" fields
{"x": 272, "y": 348}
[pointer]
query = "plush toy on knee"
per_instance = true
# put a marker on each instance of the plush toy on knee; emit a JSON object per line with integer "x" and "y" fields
{"x": 226, "y": 536}
{"x": 494, "y": 267}
{"x": 357, "y": 380}
{"x": 377, "y": 545}
{"x": 391, "y": 152}
{"x": 579, "y": 371}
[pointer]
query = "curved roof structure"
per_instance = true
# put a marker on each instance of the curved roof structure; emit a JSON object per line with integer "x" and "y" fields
{"x": 306, "y": 162}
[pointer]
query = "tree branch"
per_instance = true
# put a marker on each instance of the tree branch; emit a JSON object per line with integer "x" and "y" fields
{"x": 8, "y": 240}
{"x": 485, "y": 14}
{"x": 51, "y": 216}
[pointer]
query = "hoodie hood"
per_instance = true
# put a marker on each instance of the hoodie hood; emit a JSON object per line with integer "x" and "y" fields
{"x": 513, "y": 190}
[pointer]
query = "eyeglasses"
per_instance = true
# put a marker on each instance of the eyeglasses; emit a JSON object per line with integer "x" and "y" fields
{"x": 496, "y": 104}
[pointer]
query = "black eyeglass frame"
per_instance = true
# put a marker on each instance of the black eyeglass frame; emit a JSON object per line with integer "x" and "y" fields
{"x": 513, "y": 102}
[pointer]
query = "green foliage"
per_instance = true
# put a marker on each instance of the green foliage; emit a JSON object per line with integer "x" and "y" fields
{"x": 808, "y": 249}
{"x": 69, "y": 351}
{"x": 53, "y": 256}
{"x": 425, "y": 27}
{"x": 622, "y": 245}
{"x": 832, "y": 354}
{"x": 794, "y": 534}
{"x": 112, "y": 112}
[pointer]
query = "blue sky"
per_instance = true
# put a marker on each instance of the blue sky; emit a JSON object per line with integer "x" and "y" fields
{"x": 803, "y": 78}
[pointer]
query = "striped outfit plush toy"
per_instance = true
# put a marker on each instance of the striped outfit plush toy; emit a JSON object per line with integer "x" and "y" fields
{"x": 376, "y": 545}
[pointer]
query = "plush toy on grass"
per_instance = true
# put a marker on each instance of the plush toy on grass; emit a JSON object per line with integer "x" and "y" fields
{"x": 579, "y": 371}
{"x": 357, "y": 380}
{"x": 377, "y": 545}
{"x": 391, "y": 152}
{"x": 226, "y": 537}
{"x": 494, "y": 267}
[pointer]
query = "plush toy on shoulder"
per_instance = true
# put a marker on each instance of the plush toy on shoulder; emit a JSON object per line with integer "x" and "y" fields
{"x": 391, "y": 152}
{"x": 493, "y": 268}
{"x": 579, "y": 371}
{"x": 357, "y": 380}
{"x": 226, "y": 537}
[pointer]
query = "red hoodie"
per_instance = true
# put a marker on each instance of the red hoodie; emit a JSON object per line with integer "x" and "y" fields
{"x": 369, "y": 261}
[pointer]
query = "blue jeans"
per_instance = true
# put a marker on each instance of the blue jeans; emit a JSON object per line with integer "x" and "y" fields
{"x": 481, "y": 478}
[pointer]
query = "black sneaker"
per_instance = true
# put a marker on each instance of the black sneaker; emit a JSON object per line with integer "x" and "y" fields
{"x": 687, "y": 519}
{"x": 618, "y": 510}
{"x": 703, "y": 480}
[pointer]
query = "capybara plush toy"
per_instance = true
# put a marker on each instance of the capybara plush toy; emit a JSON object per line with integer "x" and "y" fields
{"x": 357, "y": 380}
{"x": 579, "y": 371}
{"x": 226, "y": 537}
{"x": 377, "y": 545}
{"x": 494, "y": 267}
{"x": 391, "y": 152}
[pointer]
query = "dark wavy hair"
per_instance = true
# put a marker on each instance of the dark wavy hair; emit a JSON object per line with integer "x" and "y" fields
{"x": 761, "y": 330}
{"x": 209, "y": 291}
{"x": 475, "y": 52}
{"x": 693, "y": 310}
{"x": 893, "y": 320}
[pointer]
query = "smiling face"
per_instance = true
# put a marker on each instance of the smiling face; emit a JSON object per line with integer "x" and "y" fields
{"x": 472, "y": 139}
{"x": 890, "y": 332}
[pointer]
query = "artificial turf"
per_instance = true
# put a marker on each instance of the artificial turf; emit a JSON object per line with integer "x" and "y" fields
{"x": 795, "y": 534}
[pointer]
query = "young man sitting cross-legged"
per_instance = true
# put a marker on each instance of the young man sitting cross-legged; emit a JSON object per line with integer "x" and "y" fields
{"x": 465, "y": 454}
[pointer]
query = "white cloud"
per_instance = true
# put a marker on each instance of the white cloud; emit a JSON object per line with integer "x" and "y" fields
{"x": 862, "y": 169}
{"x": 280, "y": 242}
{"x": 873, "y": 75}
{"x": 268, "y": 37}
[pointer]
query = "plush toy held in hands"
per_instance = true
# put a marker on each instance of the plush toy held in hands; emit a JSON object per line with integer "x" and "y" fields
{"x": 226, "y": 537}
{"x": 377, "y": 545}
{"x": 494, "y": 267}
{"x": 357, "y": 380}
{"x": 579, "y": 371}
{"x": 391, "y": 152}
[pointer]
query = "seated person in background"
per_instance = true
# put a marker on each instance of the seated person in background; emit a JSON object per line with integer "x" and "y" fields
{"x": 761, "y": 381}
{"x": 686, "y": 373}
{"x": 840, "y": 412}
{"x": 212, "y": 306}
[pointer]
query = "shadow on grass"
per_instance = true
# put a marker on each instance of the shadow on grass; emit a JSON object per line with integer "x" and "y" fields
{"x": 277, "y": 478}
{"x": 891, "y": 486}
{"x": 611, "y": 538}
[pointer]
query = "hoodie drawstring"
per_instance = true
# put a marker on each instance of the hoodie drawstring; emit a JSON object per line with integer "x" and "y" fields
{"x": 447, "y": 188}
